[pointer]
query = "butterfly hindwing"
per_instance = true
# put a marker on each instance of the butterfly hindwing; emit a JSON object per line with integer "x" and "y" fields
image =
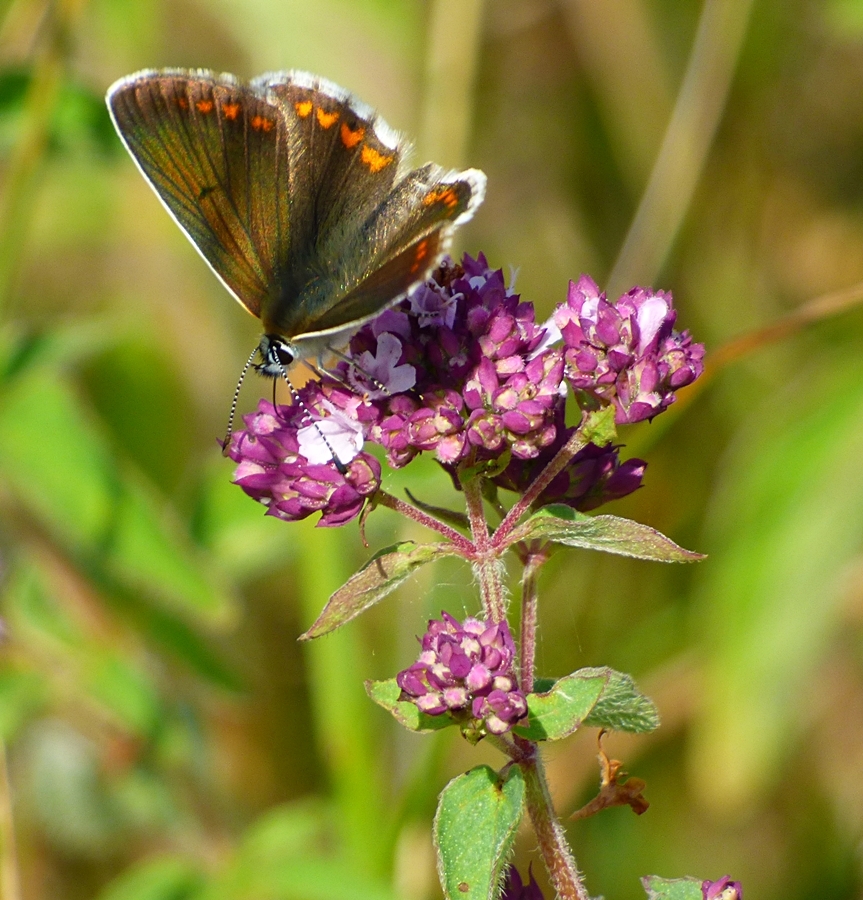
{"x": 403, "y": 240}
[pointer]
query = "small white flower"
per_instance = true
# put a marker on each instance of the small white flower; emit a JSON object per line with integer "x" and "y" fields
{"x": 334, "y": 434}
{"x": 650, "y": 317}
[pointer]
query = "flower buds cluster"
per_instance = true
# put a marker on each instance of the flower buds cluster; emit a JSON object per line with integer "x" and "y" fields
{"x": 461, "y": 369}
{"x": 466, "y": 669}
{"x": 626, "y": 353}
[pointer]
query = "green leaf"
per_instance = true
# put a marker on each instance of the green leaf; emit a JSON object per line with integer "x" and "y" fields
{"x": 560, "y": 711}
{"x": 381, "y": 575}
{"x": 475, "y": 824}
{"x": 598, "y": 426}
{"x": 386, "y": 694}
{"x": 672, "y": 888}
{"x": 163, "y": 878}
{"x": 611, "y": 534}
{"x": 621, "y": 706}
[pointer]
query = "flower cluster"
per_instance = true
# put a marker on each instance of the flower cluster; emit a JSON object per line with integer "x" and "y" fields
{"x": 626, "y": 353}
{"x": 466, "y": 669}
{"x": 724, "y": 889}
{"x": 462, "y": 369}
{"x": 285, "y": 463}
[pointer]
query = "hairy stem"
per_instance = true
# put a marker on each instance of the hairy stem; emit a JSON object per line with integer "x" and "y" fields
{"x": 487, "y": 563}
{"x": 407, "y": 509}
{"x": 561, "y": 459}
{"x": 535, "y": 561}
{"x": 558, "y": 858}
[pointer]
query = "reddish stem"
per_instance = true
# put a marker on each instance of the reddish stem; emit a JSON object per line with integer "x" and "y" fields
{"x": 487, "y": 562}
{"x": 534, "y": 561}
{"x": 560, "y": 461}
{"x": 556, "y": 855}
{"x": 465, "y": 546}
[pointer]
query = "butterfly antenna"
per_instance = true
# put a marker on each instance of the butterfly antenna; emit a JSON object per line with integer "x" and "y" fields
{"x": 234, "y": 402}
{"x": 298, "y": 400}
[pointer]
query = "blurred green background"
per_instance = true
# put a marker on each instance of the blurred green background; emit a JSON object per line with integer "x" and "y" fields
{"x": 165, "y": 737}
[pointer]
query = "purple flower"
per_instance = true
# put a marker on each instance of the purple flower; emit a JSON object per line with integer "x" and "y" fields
{"x": 274, "y": 469}
{"x": 626, "y": 353}
{"x": 463, "y": 370}
{"x": 514, "y": 889}
{"x": 466, "y": 670}
{"x": 724, "y": 889}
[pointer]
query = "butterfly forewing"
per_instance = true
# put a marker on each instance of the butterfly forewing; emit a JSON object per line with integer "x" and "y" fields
{"x": 344, "y": 159}
{"x": 216, "y": 154}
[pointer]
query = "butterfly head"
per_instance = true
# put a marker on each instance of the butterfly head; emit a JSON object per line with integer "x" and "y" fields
{"x": 276, "y": 354}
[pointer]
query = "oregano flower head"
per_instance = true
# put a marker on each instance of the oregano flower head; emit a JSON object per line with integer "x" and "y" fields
{"x": 462, "y": 369}
{"x": 468, "y": 669}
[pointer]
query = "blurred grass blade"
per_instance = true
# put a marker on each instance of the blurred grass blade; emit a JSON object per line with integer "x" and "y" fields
{"x": 697, "y": 111}
{"x": 786, "y": 521}
{"x": 59, "y": 469}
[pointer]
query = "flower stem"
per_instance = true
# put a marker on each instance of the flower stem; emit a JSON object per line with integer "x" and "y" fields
{"x": 576, "y": 442}
{"x": 407, "y": 509}
{"x": 535, "y": 560}
{"x": 558, "y": 858}
{"x": 487, "y": 562}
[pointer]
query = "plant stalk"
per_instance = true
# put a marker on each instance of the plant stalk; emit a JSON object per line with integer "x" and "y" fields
{"x": 556, "y": 854}
{"x": 412, "y": 512}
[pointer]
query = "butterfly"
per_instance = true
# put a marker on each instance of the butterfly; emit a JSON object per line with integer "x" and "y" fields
{"x": 297, "y": 196}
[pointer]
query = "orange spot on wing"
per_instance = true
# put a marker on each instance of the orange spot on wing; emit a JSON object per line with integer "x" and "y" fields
{"x": 421, "y": 252}
{"x": 326, "y": 119}
{"x": 204, "y": 106}
{"x": 261, "y": 123}
{"x": 303, "y": 108}
{"x": 445, "y": 195}
{"x": 351, "y": 138}
{"x": 231, "y": 110}
{"x": 374, "y": 160}
{"x": 182, "y": 102}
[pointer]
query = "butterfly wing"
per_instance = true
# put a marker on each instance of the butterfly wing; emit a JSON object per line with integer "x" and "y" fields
{"x": 403, "y": 239}
{"x": 291, "y": 189}
{"x": 216, "y": 154}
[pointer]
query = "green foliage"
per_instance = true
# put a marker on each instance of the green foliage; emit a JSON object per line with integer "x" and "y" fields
{"x": 563, "y": 525}
{"x": 380, "y": 576}
{"x": 155, "y": 708}
{"x": 672, "y": 888}
{"x": 386, "y": 694}
{"x": 474, "y": 827}
{"x": 557, "y": 713}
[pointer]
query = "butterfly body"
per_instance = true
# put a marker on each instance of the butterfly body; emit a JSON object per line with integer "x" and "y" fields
{"x": 295, "y": 193}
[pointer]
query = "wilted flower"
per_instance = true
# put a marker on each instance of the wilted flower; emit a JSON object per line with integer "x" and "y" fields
{"x": 724, "y": 889}
{"x": 466, "y": 669}
{"x": 514, "y": 889}
{"x": 626, "y": 353}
